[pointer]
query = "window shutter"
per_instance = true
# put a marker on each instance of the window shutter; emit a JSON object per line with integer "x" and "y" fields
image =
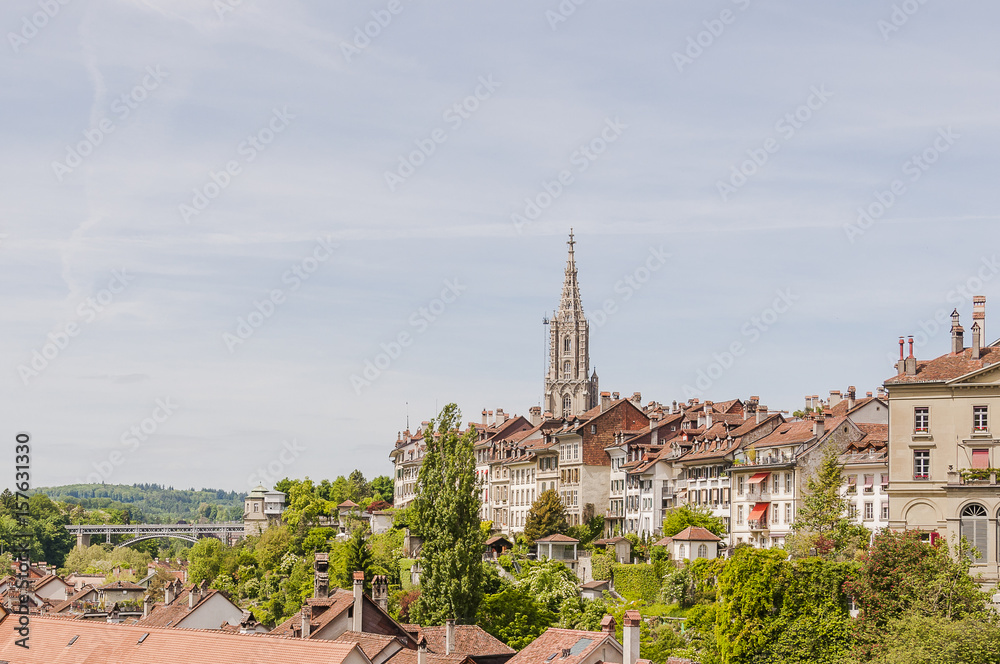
{"x": 980, "y": 458}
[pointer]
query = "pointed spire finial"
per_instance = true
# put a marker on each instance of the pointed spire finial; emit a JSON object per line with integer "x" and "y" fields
{"x": 571, "y": 241}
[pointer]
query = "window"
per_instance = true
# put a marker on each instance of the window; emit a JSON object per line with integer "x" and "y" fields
{"x": 981, "y": 458}
{"x": 566, "y": 369}
{"x": 852, "y": 484}
{"x": 973, "y": 529}
{"x": 885, "y": 511}
{"x": 566, "y": 345}
{"x": 681, "y": 551}
{"x": 576, "y": 451}
{"x": 739, "y": 515}
{"x": 739, "y": 485}
{"x": 852, "y": 511}
{"x": 788, "y": 513}
{"x": 869, "y": 483}
{"x": 921, "y": 419}
{"x": 702, "y": 551}
{"x": 788, "y": 482}
{"x": 567, "y": 401}
{"x": 593, "y": 428}
{"x": 921, "y": 464}
{"x": 980, "y": 420}
{"x": 777, "y": 516}
{"x": 869, "y": 511}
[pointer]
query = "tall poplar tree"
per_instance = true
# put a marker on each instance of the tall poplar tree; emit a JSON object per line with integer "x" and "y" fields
{"x": 446, "y": 511}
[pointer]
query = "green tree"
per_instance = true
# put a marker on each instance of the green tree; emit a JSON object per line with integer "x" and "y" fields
{"x": 514, "y": 616}
{"x": 547, "y": 516}
{"x": 206, "y": 560}
{"x": 383, "y": 488}
{"x": 359, "y": 557}
{"x": 447, "y": 507}
{"x": 360, "y": 489}
{"x": 915, "y": 638}
{"x": 821, "y": 521}
{"x": 677, "y": 519}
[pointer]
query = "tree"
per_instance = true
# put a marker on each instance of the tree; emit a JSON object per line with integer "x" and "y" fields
{"x": 514, "y": 616}
{"x": 383, "y": 488}
{"x": 447, "y": 506}
{"x": 679, "y": 518}
{"x": 821, "y": 522}
{"x": 359, "y": 557}
{"x": 360, "y": 489}
{"x": 920, "y": 639}
{"x": 206, "y": 560}
{"x": 547, "y": 516}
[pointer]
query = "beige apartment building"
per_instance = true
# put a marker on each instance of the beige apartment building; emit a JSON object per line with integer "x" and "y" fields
{"x": 944, "y": 443}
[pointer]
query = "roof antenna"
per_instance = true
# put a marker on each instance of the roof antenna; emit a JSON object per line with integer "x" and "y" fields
{"x": 407, "y": 415}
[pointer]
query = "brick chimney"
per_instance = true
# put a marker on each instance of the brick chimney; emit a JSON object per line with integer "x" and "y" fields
{"x": 977, "y": 341}
{"x": 630, "y": 637}
{"x": 359, "y": 593}
{"x": 979, "y": 314}
{"x": 957, "y": 334}
{"x": 321, "y": 583}
{"x": 449, "y": 636}
{"x": 306, "y": 614}
{"x": 819, "y": 425}
{"x": 761, "y": 414}
{"x": 608, "y": 625}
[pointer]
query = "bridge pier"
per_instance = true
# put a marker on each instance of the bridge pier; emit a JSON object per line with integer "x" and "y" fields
{"x": 82, "y": 540}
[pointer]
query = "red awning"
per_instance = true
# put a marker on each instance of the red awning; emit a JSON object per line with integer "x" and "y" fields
{"x": 869, "y": 480}
{"x": 759, "y": 477}
{"x": 758, "y": 511}
{"x": 980, "y": 458}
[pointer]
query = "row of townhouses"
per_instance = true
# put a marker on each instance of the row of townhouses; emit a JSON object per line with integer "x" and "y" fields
{"x": 918, "y": 453}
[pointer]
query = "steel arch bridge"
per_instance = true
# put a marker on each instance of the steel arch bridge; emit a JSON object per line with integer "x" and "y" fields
{"x": 228, "y": 532}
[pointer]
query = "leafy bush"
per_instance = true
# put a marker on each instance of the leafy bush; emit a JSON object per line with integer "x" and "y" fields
{"x": 637, "y": 582}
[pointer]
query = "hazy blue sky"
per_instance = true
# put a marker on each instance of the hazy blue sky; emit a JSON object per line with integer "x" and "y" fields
{"x": 736, "y": 138}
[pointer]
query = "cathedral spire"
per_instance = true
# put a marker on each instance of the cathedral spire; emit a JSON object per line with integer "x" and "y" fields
{"x": 570, "y": 304}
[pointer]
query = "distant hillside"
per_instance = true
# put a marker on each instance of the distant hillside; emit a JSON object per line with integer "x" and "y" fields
{"x": 152, "y": 503}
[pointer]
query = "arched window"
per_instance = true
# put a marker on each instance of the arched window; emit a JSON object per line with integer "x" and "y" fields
{"x": 566, "y": 369}
{"x": 682, "y": 552}
{"x": 567, "y": 405}
{"x": 702, "y": 551}
{"x": 566, "y": 344}
{"x": 973, "y": 529}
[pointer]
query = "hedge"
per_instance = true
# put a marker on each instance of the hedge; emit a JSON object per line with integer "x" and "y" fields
{"x": 404, "y": 573}
{"x": 637, "y": 582}
{"x": 601, "y": 566}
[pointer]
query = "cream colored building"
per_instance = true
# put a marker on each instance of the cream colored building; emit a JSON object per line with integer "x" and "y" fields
{"x": 944, "y": 444}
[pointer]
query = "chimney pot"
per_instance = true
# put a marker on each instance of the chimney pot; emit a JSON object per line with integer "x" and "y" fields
{"x": 630, "y": 637}
{"x": 422, "y": 651}
{"x": 306, "y": 620}
{"x": 977, "y": 337}
{"x": 449, "y": 636}
{"x": 359, "y": 593}
{"x": 979, "y": 314}
{"x": 819, "y": 425}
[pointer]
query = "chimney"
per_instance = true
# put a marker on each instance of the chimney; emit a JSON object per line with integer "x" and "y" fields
{"x": 868, "y": 394}
{"x": 957, "y": 334}
{"x": 835, "y": 398}
{"x": 614, "y": 396}
{"x": 761, "y": 414}
{"x": 485, "y": 422}
{"x": 535, "y": 415}
{"x": 380, "y": 592}
{"x": 359, "y": 593}
{"x": 306, "y": 614}
{"x": 809, "y": 404}
{"x": 449, "y": 636}
{"x": 819, "y": 425}
{"x": 605, "y": 400}
{"x": 608, "y": 625}
{"x": 194, "y": 596}
{"x": 168, "y": 593}
{"x": 977, "y": 340}
{"x": 422, "y": 651}
{"x": 911, "y": 361}
{"x": 674, "y": 409}
{"x": 630, "y": 637}
{"x": 708, "y": 415}
{"x": 979, "y": 314}
{"x": 321, "y": 583}
{"x": 500, "y": 418}
{"x": 147, "y": 602}
{"x": 852, "y": 397}
{"x": 637, "y": 399}
{"x": 881, "y": 392}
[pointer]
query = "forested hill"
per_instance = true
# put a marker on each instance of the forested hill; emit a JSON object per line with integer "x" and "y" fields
{"x": 152, "y": 503}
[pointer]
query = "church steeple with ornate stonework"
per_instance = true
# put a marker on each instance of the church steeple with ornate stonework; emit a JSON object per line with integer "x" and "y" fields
{"x": 569, "y": 390}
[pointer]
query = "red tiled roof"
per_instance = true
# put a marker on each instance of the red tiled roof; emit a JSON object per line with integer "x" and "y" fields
{"x": 469, "y": 640}
{"x": 407, "y": 656}
{"x": 697, "y": 534}
{"x": 170, "y": 615}
{"x": 323, "y": 612}
{"x": 62, "y": 606}
{"x": 594, "y": 585}
{"x": 949, "y": 367}
{"x": 558, "y": 537}
{"x": 553, "y": 641}
{"x": 371, "y": 644}
{"x": 99, "y": 642}
{"x": 122, "y": 585}
{"x": 787, "y": 433}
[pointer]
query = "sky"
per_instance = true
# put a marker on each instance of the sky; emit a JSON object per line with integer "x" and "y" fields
{"x": 244, "y": 240}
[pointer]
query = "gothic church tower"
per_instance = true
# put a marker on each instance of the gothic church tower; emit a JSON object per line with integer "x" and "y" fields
{"x": 568, "y": 389}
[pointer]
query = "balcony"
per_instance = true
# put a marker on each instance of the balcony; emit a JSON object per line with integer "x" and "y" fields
{"x": 757, "y": 524}
{"x": 974, "y": 477}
